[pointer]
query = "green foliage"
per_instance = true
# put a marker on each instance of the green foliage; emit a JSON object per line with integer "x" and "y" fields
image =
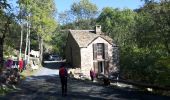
{"x": 153, "y": 26}
{"x": 59, "y": 42}
{"x": 8, "y": 31}
{"x": 144, "y": 65}
{"x": 84, "y": 9}
{"x": 81, "y": 16}
{"x": 119, "y": 24}
{"x": 163, "y": 71}
{"x": 41, "y": 18}
{"x": 4, "y": 5}
{"x": 143, "y": 36}
{"x": 5, "y": 90}
{"x": 137, "y": 64}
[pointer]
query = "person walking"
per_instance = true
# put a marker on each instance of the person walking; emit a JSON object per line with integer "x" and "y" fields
{"x": 9, "y": 63}
{"x": 92, "y": 74}
{"x": 21, "y": 63}
{"x": 63, "y": 77}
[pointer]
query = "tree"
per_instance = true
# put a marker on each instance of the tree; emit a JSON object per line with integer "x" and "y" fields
{"x": 4, "y": 5}
{"x": 119, "y": 24}
{"x": 6, "y": 20}
{"x": 41, "y": 18}
{"x": 161, "y": 18}
{"x": 66, "y": 17}
{"x": 148, "y": 60}
{"x": 59, "y": 41}
{"x": 84, "y": 12}
{"x": 155, "y": 27}
{"x": 143, "y": 38}
{"x": 82, "y": 15}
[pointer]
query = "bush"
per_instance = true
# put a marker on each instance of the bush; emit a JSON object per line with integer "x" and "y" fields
{"x": 143, "y": 65}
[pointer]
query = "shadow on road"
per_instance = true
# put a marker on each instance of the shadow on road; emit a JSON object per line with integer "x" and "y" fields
{"x": 49, "y": 88}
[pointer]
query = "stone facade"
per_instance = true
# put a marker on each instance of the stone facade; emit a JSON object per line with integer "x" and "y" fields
{"x": 87, "y": 56}
{"x": 81, "y": 55}
{"x": 72, "y": 52}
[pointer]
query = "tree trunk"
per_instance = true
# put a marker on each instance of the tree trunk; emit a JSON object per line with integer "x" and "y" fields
{"x": 41, "y": 50}
{"x": 20, "y": 51}
{"x": 1, "y": 52}
{"x": 26, "y": 47}
{"x": 29, "y": 42}
{"x": 167, "y": 46}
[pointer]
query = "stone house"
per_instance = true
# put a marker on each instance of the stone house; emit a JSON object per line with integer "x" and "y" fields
{"x": 90, "y": 49}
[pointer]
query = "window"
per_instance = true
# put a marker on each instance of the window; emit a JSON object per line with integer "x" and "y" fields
{"x": 100, "y": 51}
{"x": 100, "y": 48}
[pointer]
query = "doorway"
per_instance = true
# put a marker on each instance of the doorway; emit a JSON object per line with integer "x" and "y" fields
{"x": 101, "y": 67}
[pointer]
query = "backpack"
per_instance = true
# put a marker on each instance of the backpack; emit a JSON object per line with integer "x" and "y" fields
{"x": 63, "y": 72}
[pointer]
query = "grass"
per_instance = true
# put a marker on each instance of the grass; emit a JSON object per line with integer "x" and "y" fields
{"x": 5, "y": 90}
{"x": 24, "y": 74}
{"x": 27, "y": 73}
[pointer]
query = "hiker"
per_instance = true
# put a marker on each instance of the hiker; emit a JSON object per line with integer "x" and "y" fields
{"x": 9, "y": 63}
{"x": 63, "y": 77}
{"x": 21, "y": 63}
{"x": 92, "y": 75}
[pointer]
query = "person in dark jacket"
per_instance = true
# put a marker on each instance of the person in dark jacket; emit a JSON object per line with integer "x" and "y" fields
{"x": 92, "y": 75}
{"x": 9, "y": 63}
{"x": 63, "y": 77}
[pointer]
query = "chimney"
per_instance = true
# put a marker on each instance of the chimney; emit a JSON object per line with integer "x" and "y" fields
{"x": 98, "y": 29}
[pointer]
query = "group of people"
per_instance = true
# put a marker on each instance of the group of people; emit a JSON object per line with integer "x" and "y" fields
{"x": 10, "y": 77}
{"x": 11, "y": 74}
{"x": 10, "y": 63}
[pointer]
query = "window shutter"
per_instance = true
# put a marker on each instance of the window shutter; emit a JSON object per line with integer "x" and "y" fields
{"x": 105, "y": 51}
{"x": 106, "y": 64}
{"x": 95, "y": 65}
{"x": 94, "y": 51}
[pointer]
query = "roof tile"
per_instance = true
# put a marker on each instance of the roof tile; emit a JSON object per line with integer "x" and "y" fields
{"x": 85, "y": 37}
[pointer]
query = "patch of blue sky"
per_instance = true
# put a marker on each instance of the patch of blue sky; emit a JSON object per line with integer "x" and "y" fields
{"x": 63, "y": 5}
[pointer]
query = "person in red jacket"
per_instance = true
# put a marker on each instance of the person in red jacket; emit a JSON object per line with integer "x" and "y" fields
{"x": 21, "y": 63}
{"x": 63, "y": 77}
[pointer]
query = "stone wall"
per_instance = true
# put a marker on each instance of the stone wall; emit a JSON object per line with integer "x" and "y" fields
{"x": 87, "y": 56}
{"x": 82, "y": 58}
{"x": 72, "y": 52}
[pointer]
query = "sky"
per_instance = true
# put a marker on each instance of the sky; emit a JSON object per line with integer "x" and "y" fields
{"x": 63, "y": 5}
